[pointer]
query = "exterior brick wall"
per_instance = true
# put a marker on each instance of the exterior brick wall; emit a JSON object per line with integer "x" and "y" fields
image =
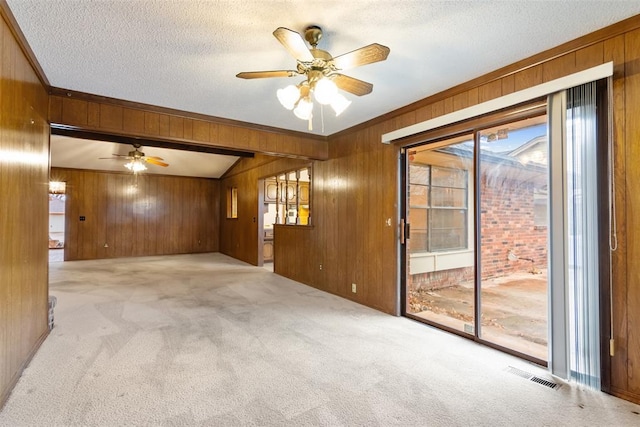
{"x": 507, "y": 220}
{"x": 508, "y": 225}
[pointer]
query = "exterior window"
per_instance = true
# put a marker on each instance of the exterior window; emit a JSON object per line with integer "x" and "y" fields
{"x": 540, "y": 208}
{"x": 418, "y": 207}
{"x": 232, "y": 202}
{"x": 438, "y": 208}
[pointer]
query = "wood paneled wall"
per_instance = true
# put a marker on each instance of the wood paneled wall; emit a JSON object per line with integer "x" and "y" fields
{"x": 117, "y": 117}
{"x": 356, "y": 222}
{"x": 128, "y": 216}
{"x": 24, "y": 177}
{"x": 353, "y": 211}
{"x": 303, "y": 263}
{"x": 625, "y": 51}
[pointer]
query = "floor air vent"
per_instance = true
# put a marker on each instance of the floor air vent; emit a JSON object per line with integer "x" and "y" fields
{"x": 544, "y": 382}
{"x": 531, "y": 377}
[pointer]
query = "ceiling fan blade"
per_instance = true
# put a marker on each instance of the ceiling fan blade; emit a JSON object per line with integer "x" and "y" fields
{"x": 294, "y": 43}
{"x": 351, "y": 85}
{"x": 116, "y": 157}
{"x": 155, "y": 162}
{"x": 266, "y": 74}
{"x": 365, "y": 55}
{"x": 154, "y": 157}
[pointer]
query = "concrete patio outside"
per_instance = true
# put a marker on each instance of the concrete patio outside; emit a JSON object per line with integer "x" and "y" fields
{"x": 514, "y": 310}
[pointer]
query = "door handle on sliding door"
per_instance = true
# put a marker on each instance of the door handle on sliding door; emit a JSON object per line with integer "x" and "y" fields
{"x": 405, "y": 231}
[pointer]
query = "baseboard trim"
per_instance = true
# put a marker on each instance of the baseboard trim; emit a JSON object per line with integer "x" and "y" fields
{"x": 626, "y": 395}
{"x": 4, "y": 396}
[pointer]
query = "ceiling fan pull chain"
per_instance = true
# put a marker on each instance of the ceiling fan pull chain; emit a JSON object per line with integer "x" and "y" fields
{"x": 310, "y": 122}
{"x": 322, "y": 117}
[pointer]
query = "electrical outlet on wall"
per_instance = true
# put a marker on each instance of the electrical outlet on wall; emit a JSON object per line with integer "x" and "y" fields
{"x": 353, "y": 288}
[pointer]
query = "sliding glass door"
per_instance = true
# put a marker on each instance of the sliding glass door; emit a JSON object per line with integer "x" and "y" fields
{"x": 440, "y": 244}
{"x": 513, "y": 232}
{"x": 476, "y": 260}
{"x": 505, "y": 231}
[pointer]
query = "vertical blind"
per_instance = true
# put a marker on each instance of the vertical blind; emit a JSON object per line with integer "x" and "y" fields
{"x": 582, "y": 239}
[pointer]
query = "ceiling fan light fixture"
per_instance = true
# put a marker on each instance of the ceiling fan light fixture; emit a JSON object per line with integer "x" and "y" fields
{"x": 288, "y": 96}
{"x": 339, "y": 104}
{"x": 322, "y": 73}
{"x": 325, "y": 91}
{"x": 303, "y": 109}
{"x": 135, "y": 166}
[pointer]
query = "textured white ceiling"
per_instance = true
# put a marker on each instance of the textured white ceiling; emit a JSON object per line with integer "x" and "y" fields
{"x": 185, "y": 54}
{"x": 78, "y": 153}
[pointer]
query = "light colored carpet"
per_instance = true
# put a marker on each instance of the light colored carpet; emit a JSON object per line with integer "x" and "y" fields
{"x": 207, "y": 340}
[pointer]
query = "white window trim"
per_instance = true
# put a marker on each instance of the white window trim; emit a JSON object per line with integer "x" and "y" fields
{"x": 428, "y": 262}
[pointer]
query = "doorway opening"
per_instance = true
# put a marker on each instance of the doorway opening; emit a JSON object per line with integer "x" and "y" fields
{"x": 57, "y": 210}
{"x": 284, "y": 199}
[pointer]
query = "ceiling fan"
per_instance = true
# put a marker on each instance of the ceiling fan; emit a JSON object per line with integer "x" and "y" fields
{"x": 137, "y": 159}
{"x": 322, "y": 72}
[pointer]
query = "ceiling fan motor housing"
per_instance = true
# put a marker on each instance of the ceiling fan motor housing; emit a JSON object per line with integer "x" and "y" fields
{"x": 313, "y": 34}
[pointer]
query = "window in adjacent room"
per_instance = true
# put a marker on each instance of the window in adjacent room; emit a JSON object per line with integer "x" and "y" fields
{"x": 287, "y": 198}
{"x": 232, "y": 202}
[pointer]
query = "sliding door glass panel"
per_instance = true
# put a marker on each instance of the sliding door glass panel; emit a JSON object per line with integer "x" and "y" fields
{"x": 440, "y": 244}
{"x": 514, "y": 236}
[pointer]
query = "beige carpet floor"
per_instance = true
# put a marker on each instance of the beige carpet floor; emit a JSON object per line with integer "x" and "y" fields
{"x": 207, "y": 340}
